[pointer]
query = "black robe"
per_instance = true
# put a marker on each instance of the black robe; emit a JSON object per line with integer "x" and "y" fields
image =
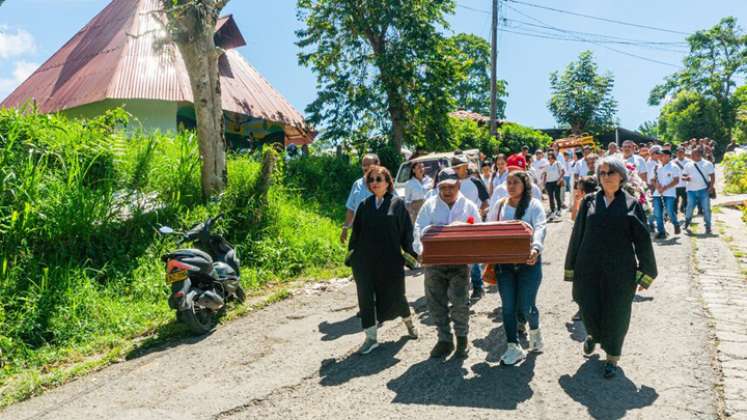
{"x": 608, "y": 247}
{"x": 378, "y": 239}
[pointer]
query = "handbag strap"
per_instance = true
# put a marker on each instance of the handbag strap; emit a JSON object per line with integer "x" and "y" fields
{"x": 707, "y": 182}
{"x": 500, "y": 209}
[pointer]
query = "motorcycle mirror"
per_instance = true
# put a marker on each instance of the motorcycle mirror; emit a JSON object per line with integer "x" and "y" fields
{"x": 165, "y": 230}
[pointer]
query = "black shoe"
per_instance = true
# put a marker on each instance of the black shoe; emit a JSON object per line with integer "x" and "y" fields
{"x": 661, "y": 235}
{"x": 687, "y": 224}
{"x": 709, "y": 231}
{"x": 610, "y": 370}
{"x": 462, "y": 348}
{"x": 477, "y": 294}
{"x": 576, "y": 316}
{"x": 442, "y": 349}
{"x": 589, "y": 346}
{"x": 677, "y": 230}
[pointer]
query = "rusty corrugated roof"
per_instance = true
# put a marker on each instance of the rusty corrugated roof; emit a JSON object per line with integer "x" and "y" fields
{"x": 120, "y": 54}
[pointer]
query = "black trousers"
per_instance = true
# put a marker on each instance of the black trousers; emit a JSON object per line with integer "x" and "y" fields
{"x": 680, "y": 203}
{"x": 553, "y": 193}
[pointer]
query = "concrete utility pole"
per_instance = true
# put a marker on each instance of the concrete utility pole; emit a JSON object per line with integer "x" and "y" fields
{"x": 494, "y": 71}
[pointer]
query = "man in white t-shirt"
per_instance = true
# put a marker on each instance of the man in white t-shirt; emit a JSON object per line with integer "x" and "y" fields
{"x": 680, "y": 160}
{"x": 539, "y": 164}
{"x": 665, "y": 180}
{"x": 629, "y": 156}
{"x": 701, "y": 178}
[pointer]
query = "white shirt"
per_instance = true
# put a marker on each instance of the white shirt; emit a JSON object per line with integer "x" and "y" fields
{"x": 469, "y": 189}
{"x": 534, "y": 215}
{"x": 499, "y": 179}
{"x": 651, "y": 164}
{"x": 552, "y": 172}
{"x": 681, "y": 165}
{"x": 665, "y": 174}
{"x": 582, "y": 168}
{"x": 416, "y": 190}
{"x": 435, "y": 212}
{"x": 502, "y": 191}
{"x": 540, "y": 165}
{"x": 638, "y": 161}
{"x": 696, "y": 182}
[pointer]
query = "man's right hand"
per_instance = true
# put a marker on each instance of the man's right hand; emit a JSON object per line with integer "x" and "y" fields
{"x": 344, "y": 236}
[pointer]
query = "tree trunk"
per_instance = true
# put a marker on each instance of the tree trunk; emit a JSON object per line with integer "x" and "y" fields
{"x": 398, "y": 127}
{"x": 201, "y": 59}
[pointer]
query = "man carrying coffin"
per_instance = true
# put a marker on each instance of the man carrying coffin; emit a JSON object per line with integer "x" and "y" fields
{"x": 447, "y": 284}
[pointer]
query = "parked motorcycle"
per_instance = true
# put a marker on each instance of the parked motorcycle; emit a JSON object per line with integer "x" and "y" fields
{"x": 202, "y": 279}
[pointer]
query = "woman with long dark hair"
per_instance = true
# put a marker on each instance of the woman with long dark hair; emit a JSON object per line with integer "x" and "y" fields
{"x": 382, "y": 230}
{"x": 518, "y": 284}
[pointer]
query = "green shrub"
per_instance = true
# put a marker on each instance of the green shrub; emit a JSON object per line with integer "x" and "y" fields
{"x": 514, "y": 136}
{"x": 735, "y": 172}
{"x": 80, "y": 267}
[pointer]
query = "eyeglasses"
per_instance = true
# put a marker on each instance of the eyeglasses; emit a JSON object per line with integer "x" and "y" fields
{"x": 605, "y": 173}
{"x": 379, "y": 179}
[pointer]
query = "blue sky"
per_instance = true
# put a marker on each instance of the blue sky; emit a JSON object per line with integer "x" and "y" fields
{"x": 32, "y": 30}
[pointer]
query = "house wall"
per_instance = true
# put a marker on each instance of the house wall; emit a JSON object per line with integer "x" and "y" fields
{"x": 152, "y": 115}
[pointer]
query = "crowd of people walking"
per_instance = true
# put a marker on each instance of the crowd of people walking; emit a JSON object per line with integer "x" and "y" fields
{"x": 617, "y": 198}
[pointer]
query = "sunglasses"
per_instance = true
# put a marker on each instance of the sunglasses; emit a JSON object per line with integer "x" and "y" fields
{"x": 379, "y": 179}
{"x": 605, "y": 173}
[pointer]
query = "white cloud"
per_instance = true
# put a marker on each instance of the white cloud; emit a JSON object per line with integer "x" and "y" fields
{"x": 21, "y": 71}
{"x": 15, "y": 44}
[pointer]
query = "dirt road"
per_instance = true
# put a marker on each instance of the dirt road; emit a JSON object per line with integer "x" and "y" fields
{"x": 296, "y": 359}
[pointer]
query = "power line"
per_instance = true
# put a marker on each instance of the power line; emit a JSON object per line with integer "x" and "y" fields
{"x": 619, "y": 22}
{"x": 595, "y": 38}
{"x": 611, "y": 37}
{"x": 594, "y": 42}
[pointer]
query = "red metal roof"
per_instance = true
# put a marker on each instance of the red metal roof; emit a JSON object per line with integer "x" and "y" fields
{"x": 117, "y": 56}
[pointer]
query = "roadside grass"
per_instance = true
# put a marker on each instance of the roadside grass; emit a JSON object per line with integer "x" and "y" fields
{"x": 81, "y": 281}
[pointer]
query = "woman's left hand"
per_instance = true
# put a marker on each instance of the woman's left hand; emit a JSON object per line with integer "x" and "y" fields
{"x": 533, "y": 257}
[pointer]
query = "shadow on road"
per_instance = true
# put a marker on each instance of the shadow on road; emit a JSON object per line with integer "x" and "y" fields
{"x": 674, "y": 240}
{"x": 605, "y": 398}
{"x": 333, "y": 331}
{"x": 167, "y": 336}
{"x": 640, "y": 298}
{"x": 433, "y": 382}
{"x": 577, "y": 330}
{"x": 334, "y": 373}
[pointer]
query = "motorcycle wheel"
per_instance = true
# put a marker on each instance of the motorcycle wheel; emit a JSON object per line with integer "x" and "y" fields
{"x": 199, "y": 321}
{"x": 240, "y": 295}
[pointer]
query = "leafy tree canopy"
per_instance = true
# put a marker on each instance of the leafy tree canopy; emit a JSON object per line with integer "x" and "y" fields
{"x": 717, "y": 58}
{"x": 381, "y": 67}
{"x": 690, "y": 115}
{"x": 649, "y": 129}
{"x": 473, "y": 92}
{"x": 581, "y": 97}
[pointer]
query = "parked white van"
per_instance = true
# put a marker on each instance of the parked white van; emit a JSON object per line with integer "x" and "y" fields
{"x": 433, "y": 163}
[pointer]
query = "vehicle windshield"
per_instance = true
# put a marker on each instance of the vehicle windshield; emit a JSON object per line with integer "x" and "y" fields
{"x": 431, "y": 169}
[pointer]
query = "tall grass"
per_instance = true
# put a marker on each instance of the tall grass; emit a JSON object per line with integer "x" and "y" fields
{"x": 79, "y": 251}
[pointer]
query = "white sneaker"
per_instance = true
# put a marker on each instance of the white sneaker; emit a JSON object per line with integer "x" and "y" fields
{"x": 535, "y": 341}
{"x": 513, "y": 355}
{"x": 368, "y": 346}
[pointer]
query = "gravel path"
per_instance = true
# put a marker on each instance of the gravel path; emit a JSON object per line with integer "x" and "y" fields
{"x": 295, "y": 360}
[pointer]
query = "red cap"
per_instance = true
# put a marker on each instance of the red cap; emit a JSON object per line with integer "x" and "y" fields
{"x": 517, "y": 160}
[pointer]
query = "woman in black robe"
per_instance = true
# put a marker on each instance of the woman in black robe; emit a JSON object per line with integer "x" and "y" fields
{"x": 382, "y": 229}
{"x": 610, "y": 255}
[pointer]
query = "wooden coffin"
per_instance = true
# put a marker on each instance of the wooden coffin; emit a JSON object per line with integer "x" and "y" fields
{"x": 491, "y": 243}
